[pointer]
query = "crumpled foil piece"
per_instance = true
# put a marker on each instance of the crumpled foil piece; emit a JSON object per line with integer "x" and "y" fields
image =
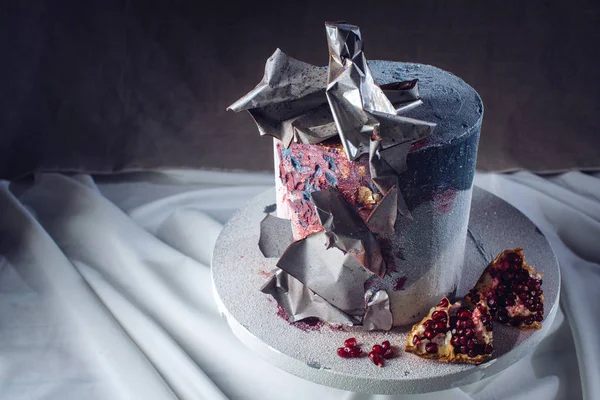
{"x": 275, "y": 236}
{"x": 297, "y": 101}
{"x": 299, "y": 302}
{"x": 296, "y": 298}
{"x": 378, "y": 314}
{"x": 289, "y": 103}
{"x": 346, "y": 230}
{"x": 324, "y": 274}
{"x": 358, "y": 105}
{"x": 336, "y": 276}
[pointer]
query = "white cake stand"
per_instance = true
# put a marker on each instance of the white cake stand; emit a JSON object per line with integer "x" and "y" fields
{"x": 239, "y": 270}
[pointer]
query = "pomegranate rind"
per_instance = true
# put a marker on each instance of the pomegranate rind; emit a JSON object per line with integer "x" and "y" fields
{"x": 485, "y": 284}
{"x": 446, "y": 352}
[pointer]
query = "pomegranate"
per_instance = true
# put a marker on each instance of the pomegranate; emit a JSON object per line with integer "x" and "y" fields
{"x": 512, "y": 289}
{"x": 452, "y": 333}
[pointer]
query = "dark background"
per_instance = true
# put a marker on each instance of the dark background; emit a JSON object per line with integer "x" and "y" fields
{"x": 119, "y": 85}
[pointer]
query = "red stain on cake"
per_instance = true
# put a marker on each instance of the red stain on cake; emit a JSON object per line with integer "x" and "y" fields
{"x": 305, "y": 168}
{"x": 307, "y": 324}
{"x": 418, "y": 145}
{"x": 387, "y": 253}
{"x": 445, "y": 201}
{"x": 337, "y": 328}
{"x": 282, "y": 313}
{"x": 266, "y": 274}
{"x": 399, "y": 284}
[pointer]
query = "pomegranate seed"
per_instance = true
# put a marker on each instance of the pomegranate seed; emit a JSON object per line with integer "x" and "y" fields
{"x": 389, "y": 353}
{"x": 489, "y": 327}
{"x": 469, "y": 323}
{"x": 485, "y": 319}
{"x": 454, "y": 341}
{"x": 416, "y": 340}
{"x": 342, "y": 352}
{"x": 460, "y": 332}
{"x": 378, "y": 349}
{"x": 350, "y": 342}
{"x": 429, "y": 334}
{"x": 440, "y": 327}
{"x": 376, "y": 358}
{"x": 453, "y": 321}
{"x": 481, "y": 308}
{"x": 507, "y": 276}
{"x": 472, "y": 353}
{"x": 463, "y": 340}
{"x": 510, "y": 302}
{"x": 523, "y": 295}
{"x": 529, "y": 303}
{"x": 514, "y": 258}
{"x": 489, "y": 349}
{"x": 431, "y": 348}
{"x": 491, "y": 302}
{"x": 355, "y": 352}
{"x": 438, "y": 315}
{"x": 470, "y": 333}
{"x": 386, "y": 344}
{"x": 464, "y": 349}
{"x": 528, "y": 320}
{"x": 539, "y": 316}
{"x": 443, "y": 303}
{"x": 471, "y": 343}
{"x": 464, "y": 314}
{"x": 427, "y": 324}
{"x": 521, "y": 277}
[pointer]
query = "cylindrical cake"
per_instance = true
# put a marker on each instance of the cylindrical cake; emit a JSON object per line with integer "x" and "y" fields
{"x": 424, "y": 256}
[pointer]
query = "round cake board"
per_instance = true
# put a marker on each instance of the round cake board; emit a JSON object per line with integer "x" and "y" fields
{"x": 309, "y": 351}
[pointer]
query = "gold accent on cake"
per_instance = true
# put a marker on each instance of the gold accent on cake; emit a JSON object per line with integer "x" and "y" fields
{"x": 365, "y": 196}
{"x": 345, "y": 170}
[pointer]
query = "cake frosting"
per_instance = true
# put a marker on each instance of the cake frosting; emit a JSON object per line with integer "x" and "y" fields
{"x": 416, "y": 225}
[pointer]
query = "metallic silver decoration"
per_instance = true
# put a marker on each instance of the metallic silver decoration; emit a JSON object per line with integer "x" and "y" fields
{"x": 299, "y": 302}
{"x": 346, "y": 230}
{"x": 358, "y": 105}
{"x": 297, "y": 101}
{"x": 270, "y": 244}
{"x": 378, "y": 314}
{"x": 328, "y": 268}
{"x": 336, "y": 276}
{"x": 289, "y": 103}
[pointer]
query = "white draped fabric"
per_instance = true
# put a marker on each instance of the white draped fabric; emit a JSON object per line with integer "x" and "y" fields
{"x": 105, "y": 291}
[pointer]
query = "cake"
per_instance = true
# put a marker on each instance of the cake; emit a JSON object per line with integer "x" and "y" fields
{"x": 378, "y": 226}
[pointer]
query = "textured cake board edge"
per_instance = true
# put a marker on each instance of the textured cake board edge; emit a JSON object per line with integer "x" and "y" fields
{"x": 373, "y": 385}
